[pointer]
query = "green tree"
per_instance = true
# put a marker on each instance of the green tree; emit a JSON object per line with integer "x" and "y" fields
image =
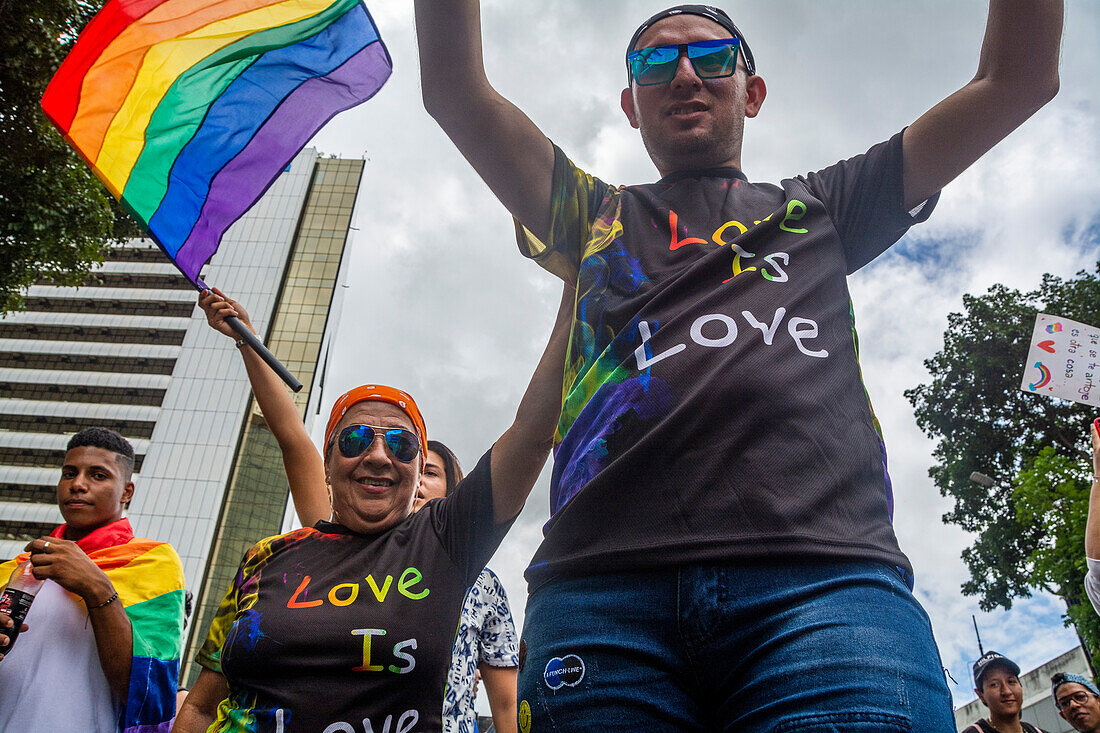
{"x": 1052, "y": 492}
{"x": 974, "y": 407}
{"x": 55, "y": 216}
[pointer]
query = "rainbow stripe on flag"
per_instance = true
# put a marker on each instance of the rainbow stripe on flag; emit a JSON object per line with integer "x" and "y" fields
{"x": 188, "y": 110}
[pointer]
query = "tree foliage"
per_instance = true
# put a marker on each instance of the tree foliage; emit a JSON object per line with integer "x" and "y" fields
{"x": 55, "y": 217}
{"x": 1053, "y": 492}
{"x": 974, "y": 407}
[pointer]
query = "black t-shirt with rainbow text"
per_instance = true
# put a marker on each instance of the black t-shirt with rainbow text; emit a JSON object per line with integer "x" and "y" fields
{"x": 324, "y": 629}
{"x": 713, "y": 405}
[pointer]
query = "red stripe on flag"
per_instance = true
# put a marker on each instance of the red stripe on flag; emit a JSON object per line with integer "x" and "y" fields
{"x": 62, "y": 97}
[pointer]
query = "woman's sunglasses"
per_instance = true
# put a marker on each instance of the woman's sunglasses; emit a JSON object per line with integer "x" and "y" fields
{"x": 354, "y": 440}
{"x": 710, "y": 59}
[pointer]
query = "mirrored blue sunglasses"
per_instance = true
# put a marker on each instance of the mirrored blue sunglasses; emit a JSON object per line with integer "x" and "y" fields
{"x": 354, "y": 440}
{"x": 710, "y": 59}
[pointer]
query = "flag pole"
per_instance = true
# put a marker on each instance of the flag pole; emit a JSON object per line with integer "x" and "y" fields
{"x": 262, "y": 351}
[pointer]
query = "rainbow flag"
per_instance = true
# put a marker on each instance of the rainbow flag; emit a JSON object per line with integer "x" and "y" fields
{"x": 188, "y": 110}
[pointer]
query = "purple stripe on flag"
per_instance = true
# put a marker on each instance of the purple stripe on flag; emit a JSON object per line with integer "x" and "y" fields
{"x": 245, "y": 178}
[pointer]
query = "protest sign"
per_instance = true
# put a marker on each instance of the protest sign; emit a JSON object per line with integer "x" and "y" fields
{"x": 1064, "y": 360}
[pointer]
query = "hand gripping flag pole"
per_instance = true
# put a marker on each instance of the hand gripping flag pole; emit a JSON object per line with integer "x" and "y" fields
{"x": 188, "y": 110}
{"x": 261, "y": 350}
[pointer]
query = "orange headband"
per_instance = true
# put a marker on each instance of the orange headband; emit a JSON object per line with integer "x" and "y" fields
{"x": 379, "y": 393}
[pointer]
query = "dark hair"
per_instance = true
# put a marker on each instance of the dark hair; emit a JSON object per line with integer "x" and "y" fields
{"x": 451, "y": 467}
{"x": 107, "y": 440}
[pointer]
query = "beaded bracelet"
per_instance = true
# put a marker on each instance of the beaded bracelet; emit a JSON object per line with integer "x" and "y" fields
{"x": 107, "y": 602}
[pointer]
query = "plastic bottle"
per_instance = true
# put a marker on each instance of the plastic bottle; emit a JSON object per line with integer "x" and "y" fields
{"x": 16, "y": 601}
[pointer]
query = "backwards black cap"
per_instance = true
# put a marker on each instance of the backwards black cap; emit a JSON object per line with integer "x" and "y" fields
{"x": 707, "y": 11}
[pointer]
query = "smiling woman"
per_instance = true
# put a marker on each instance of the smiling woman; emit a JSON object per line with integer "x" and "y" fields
{"x": 351, "y": 622}
{"x": 374, "y": 454}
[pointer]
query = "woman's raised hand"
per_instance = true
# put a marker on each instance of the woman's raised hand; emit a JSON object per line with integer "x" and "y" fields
{"x": 218, "y": 307}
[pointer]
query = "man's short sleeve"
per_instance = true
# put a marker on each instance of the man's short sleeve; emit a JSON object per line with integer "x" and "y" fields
{"x": 497, "y": 644}
{"x": 575, "y": 198}
{"x": 865, "y": 197}
{"x": 1092, "y": 583}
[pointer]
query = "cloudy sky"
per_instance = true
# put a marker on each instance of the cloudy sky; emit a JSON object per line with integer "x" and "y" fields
{"x": 439, "y": 301}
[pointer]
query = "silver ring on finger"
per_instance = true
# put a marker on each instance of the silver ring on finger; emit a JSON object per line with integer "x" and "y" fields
{"x": 46, "y": 546}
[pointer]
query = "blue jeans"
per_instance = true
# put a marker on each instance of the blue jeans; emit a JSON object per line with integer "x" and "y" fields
{"x": 746, "y": 647}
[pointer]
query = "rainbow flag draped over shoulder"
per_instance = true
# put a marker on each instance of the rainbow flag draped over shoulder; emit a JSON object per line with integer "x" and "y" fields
{"x": 188, "y": 110}
{"x": 148, "y": 576}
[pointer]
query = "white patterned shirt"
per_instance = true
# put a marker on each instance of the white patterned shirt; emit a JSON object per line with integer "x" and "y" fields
{"x": 486, "y": 634}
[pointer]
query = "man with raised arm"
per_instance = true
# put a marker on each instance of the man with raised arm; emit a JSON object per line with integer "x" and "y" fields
{"x": 720, "y": 554}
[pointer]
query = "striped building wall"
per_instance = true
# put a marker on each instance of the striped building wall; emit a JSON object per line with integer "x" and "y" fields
{"x": 130, "y": 351}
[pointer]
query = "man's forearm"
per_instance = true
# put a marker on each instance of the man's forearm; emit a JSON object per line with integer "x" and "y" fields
{"x": 1021, "y": 45}
{"x": 448, "y": 33}
{"x": 1017, "y": 74}
{"x": 506, "y": 149}
{"x": 114, "y": 641}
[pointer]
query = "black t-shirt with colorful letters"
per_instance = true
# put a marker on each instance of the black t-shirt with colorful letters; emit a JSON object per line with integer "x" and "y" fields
{"x": 326, "y": 631}
{"x": 713, "y": 404}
